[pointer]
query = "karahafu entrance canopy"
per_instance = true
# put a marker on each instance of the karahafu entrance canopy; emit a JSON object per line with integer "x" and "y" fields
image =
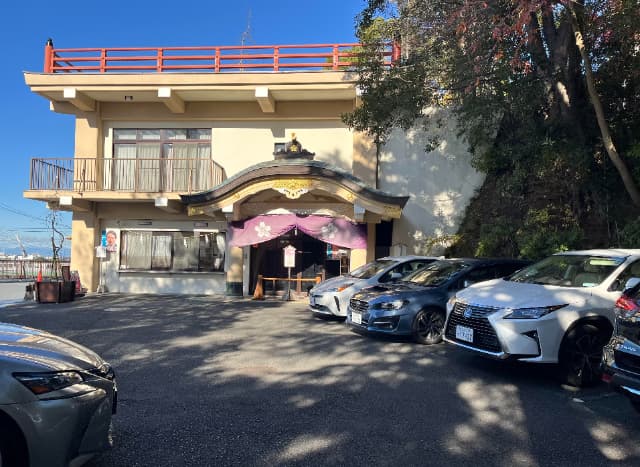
{"x": 335, "y": 231}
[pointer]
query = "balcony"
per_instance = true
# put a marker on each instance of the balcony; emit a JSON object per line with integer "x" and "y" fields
{"x": 220, "y": 59}
{"x": 121, "y": 175}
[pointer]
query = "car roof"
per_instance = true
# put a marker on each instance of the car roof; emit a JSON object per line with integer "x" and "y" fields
{"x": 488, "y": 260}
{"x": 410, "y": 257}
{"x": 603, "y": 252}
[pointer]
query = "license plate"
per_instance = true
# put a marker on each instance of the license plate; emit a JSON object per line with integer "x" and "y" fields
{"x": 356, "y": 318}
{"x": 464, "y": 333}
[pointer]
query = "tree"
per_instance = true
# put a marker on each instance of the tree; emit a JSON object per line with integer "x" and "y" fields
{"x": 57, "y": 241}
{"x": 480, "y": 54}
{"x": 539, "y": 107}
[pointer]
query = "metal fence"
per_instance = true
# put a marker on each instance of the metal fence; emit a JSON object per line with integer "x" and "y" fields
{"x": 29, "y": 269}
{"x": 135, "y": 175}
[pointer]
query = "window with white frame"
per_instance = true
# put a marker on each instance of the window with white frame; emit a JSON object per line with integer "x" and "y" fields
{"x": 145, "y": 250}
{"x": 160, "y": 159}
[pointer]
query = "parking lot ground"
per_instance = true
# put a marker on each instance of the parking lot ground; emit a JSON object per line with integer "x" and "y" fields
{"x": 213, "y": 381}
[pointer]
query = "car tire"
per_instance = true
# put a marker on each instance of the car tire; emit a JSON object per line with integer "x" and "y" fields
{"x": 635, "y": 402}
{"x": 13, "y": 450}
{"x": 581, "y": 353}
{"x": 428, "y": 326}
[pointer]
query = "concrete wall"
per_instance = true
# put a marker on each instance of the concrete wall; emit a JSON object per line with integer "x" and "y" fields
{"x": 440, "y": 183}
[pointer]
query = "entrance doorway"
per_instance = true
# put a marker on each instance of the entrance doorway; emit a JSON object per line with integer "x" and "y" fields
{"x": 313, "y": 257}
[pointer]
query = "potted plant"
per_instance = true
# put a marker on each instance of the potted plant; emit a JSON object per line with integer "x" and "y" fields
{"x": 54, "y": 289}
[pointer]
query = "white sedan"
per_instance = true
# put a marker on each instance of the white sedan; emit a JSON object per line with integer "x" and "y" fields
{"x": 559, "y": 310}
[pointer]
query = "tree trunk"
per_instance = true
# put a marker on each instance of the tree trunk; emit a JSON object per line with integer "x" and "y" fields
{"x": 621, "y": 167}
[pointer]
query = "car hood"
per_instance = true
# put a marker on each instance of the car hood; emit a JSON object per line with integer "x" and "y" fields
{"x": 388, "y": 292}
{"x": 33, "y": 347}
{"x": 500, "y": 293}
{"x": 337, "y": 282}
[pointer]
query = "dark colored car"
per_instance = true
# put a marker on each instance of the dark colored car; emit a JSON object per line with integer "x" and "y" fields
{"x": 621, "y": 356}
{"x": 416, "y": 304}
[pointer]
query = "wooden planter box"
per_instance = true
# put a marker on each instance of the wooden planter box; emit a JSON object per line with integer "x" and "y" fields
{"x": 55, "y": 291}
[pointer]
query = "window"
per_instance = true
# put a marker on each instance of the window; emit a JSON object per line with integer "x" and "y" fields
{"x": 154, "y": 160}
{"x": 143, "y": 250}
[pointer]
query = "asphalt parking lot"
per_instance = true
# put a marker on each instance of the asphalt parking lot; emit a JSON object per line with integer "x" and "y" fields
{"x": 207, "y": 381}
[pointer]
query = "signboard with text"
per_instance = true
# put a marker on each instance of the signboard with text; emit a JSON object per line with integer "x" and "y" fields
{"x": 290, "y": 256}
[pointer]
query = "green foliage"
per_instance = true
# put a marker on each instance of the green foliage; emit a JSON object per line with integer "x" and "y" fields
{"x": 512, "y": 72}
{"x": 629, "y": 236}
{"x": 496, "y": 239}
{"x": 547, "y": 230}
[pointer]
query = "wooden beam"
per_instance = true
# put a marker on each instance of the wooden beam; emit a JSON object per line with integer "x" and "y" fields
{"x": 79, "y": 99}
{"x": 173, "y": 102}
{"x": 67, "y": 203}
{"x": 265, "y": 99}
{"x": 169, "y": 205}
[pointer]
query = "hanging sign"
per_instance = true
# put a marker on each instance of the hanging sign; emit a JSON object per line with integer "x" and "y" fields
{"x": 290, "y": 256}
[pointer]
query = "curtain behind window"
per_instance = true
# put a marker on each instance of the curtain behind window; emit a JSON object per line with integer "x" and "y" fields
{"x": 120, "y": 171}
{"x": 148, "y": 165}
{"x": 161, "y": 250}
{"x": 136, "y": 250}
{"x": 185, "y": 251}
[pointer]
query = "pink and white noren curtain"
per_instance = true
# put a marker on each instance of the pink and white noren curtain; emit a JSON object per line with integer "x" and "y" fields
{"x": 340, "y": 232}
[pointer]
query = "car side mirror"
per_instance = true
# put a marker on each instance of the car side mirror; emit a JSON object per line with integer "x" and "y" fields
{"x": 466, "y": 283}
{"x": 632, "y": 283}
{"x": 395, "y": 276}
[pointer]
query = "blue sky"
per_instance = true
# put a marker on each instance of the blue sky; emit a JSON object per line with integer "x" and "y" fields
{"x": 29, "y": 129}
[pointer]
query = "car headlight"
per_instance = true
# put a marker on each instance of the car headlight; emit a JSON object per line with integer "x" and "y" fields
{"x": 42, "y": 383}
{"x": 394, "y": 305}
{"x": 341, "y": 288}
{"x": 533, "y": 313}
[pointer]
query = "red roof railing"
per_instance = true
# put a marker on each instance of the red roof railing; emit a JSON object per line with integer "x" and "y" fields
{"x": 275, "y": 58}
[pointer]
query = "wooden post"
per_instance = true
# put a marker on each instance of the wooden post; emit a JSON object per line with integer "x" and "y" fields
{"x": 258, "y": 293}
{"x": 48, "y": 56}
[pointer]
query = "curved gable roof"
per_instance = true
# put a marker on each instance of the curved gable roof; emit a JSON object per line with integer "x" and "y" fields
{"x": 297, "y": 169}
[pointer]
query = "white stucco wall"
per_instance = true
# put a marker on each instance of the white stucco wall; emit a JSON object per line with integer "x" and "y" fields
{"x": 440, "y": 183}
{"x": 238, "y": 145}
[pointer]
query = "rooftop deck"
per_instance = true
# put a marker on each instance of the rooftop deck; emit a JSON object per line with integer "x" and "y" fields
{"x": 218, "y": 59}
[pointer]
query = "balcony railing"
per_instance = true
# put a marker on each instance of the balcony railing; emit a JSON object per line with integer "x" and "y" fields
{"x": 138, "y": 175}
{"x": 271, "y": 58}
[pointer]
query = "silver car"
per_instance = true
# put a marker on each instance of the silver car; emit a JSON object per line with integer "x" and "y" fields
{"x": 331, "y": 297}
{"x": 56, "y": 399}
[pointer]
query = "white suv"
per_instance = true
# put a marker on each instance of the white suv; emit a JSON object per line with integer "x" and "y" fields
{"x": 331, "y": 297}
{"x": 558, "y": 310}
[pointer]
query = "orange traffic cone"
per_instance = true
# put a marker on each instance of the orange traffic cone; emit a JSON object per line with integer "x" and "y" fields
{"x": 39, "y": 279}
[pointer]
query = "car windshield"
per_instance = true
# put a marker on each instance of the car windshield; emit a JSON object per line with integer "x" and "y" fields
{"x": 436, "y": 273}
{"x": 569, "y": 270}
{"x": 371, "y": 269}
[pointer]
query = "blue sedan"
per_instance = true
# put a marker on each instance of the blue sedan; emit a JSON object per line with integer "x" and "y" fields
{"x": 415, "y": 306}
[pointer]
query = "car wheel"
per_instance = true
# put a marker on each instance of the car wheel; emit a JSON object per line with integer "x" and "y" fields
{"x": 635, "y": 402}
{"x": 12, "y": 447}
{"x": 580, "y": 355}
{"x": 428, "y": 326}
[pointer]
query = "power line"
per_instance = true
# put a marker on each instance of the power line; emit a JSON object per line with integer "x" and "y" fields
{"x": 30, "y": 216}
{"x": 20, "y": 213}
